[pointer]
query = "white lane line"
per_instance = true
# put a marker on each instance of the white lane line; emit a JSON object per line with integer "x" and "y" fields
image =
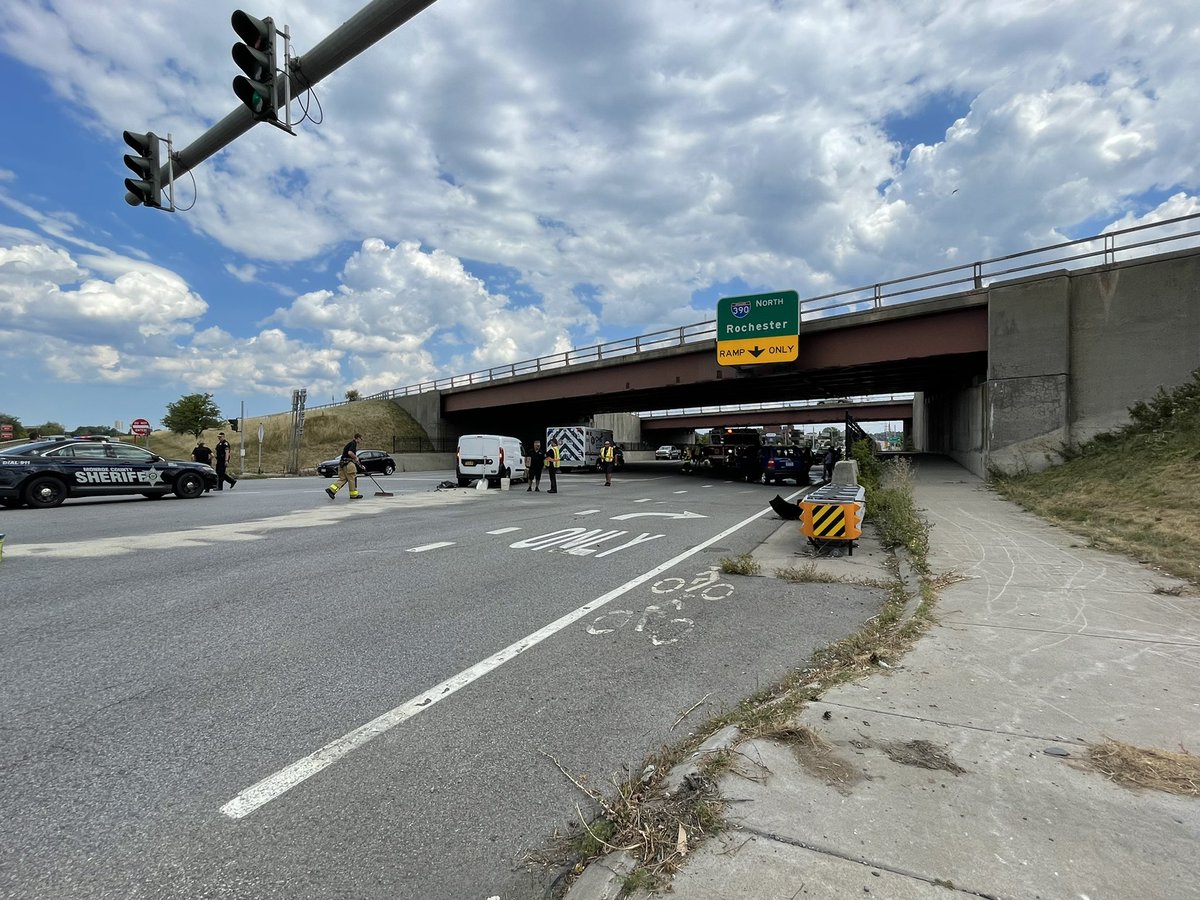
{"x": 276, "y": 785}
{"x": 681, "y": 492}
{"x": 644, "y": 500}
{"x": 587, "y": 512}
{"x": 505, "y": 530}
{"x": 425, "y": 547}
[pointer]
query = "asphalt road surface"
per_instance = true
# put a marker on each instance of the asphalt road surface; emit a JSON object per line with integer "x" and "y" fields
{"x": 265, "y": 694}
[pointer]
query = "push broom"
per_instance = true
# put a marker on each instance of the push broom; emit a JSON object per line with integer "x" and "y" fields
{"x": 381, "y": 492}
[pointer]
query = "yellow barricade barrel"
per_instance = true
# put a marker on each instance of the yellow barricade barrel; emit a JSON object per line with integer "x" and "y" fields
{"x": 833, "y": 513}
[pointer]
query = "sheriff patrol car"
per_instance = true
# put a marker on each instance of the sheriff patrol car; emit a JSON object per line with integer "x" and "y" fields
{"x": 45, "y": 473}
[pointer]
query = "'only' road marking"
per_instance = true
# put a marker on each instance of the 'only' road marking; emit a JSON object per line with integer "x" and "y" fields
{"x": 274, "y": 786}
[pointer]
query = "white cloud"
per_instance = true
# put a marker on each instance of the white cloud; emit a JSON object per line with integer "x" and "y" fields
{"x": 399, "y": 309}
{"x": 634, "y": 152}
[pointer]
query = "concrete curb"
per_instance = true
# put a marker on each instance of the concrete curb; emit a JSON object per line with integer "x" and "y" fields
{"x": 603, "y": 879}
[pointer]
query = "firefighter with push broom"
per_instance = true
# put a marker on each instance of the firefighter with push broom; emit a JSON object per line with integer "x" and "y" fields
{"x": 348, "y": 470}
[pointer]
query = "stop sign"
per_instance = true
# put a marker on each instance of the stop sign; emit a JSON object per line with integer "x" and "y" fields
{"x": 140, "y": 426}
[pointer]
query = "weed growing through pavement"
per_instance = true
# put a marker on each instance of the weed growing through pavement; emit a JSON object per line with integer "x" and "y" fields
{"x": 745, "y": 564}
{"x": 810, "y": 573}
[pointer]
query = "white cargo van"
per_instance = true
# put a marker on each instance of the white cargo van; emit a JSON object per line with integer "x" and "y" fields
{"x": 490, "y": 456}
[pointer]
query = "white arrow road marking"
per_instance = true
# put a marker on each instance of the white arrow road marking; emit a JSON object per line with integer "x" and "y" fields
{"x": 274, "y": 786}
{"x": 664, "y": 515}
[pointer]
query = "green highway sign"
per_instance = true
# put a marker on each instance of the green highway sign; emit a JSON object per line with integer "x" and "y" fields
{"x": 760, "y": 328}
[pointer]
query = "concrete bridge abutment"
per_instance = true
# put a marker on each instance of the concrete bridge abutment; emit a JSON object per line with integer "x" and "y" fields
{"x": 1068, "y": 354}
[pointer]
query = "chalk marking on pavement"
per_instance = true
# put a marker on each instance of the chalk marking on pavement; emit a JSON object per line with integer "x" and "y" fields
{"x": 274, "y": 786}
{"x": 436, "y": 546}
{"x": 505, "y": 530}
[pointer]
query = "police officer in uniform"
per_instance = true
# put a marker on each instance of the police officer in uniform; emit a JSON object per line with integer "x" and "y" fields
{"x": 553, "y": 460}
{"x": 224, "y": 451}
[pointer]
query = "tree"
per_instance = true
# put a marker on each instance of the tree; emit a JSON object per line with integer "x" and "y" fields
{"x": 106, "y": 430}
{"x": 47, "y": 428}
{"x": 192, "y": 414}
{"x": 352, "y": 394}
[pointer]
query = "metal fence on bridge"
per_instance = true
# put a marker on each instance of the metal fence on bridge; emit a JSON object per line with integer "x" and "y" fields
{"x": 1102, "y": 249}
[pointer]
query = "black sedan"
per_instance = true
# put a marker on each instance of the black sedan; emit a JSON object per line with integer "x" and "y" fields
{"x": 45, "y": 473}
{"x": 374, "y": 461}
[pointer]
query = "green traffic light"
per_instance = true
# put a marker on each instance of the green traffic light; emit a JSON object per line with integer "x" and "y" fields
{"x": 255, "y": 56}
{"x": 253, "y": 94}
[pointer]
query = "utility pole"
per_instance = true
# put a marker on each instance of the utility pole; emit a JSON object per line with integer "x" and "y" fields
{"x": 242, "y": 438}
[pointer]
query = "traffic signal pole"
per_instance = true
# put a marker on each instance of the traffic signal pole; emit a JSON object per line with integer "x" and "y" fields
{"x": 372, "y": 23}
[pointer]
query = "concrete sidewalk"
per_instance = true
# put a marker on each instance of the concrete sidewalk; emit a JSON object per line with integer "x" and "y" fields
{"x": 962, "y": 772}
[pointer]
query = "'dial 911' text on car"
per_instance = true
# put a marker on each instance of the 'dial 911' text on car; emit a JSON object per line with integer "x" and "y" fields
{"x": 45, "y": 473}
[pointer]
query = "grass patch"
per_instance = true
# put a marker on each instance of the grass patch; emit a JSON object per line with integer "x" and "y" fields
{"x": 745, "y": 564}
{"x": 326, "y": 431}
{"x": 806, "y": 573}
{"x": 638, "y": 817}
{"x": 1157, "y": 770}
{"x": 639, "y": 880}
{"x": 1135, "y": 491}
{"x": 595, "y": 838}
{"x": 810, "y": 573}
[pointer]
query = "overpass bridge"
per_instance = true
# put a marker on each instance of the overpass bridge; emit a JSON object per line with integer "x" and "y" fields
{"x": 1011, "y": 358}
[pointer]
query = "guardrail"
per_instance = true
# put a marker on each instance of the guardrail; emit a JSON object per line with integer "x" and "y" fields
{"x": 782, "y": 404}
{"x": 1107, "y": 249}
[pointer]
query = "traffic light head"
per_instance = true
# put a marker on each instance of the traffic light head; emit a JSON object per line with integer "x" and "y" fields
{"x": 233, "y": 424}
{"x": 146, "y": 188}
{"x": 255, "y": 56}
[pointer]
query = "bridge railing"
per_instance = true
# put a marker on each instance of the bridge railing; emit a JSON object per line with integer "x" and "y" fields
{"x": 839, "y": 402}
{"x": 1105, "y": 249}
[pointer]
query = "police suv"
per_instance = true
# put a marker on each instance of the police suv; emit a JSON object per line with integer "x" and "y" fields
{"x": 45, "y": 473}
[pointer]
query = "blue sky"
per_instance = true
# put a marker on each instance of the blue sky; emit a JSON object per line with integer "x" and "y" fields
{"x": 494, "y": 182}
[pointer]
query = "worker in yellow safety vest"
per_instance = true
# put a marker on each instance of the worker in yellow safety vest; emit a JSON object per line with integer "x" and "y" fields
{"x": 608, "y": 460}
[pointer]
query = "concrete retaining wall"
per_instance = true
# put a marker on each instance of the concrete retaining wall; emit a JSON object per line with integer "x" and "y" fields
{"x": 425, "y": 462}
{"x": 1133, "y": 329}
{"x": 952, "y": 422}
{"x": 1069, "y": 353}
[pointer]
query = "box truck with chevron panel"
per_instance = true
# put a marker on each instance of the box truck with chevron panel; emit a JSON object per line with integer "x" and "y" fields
{"x": 579, "y": 444}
